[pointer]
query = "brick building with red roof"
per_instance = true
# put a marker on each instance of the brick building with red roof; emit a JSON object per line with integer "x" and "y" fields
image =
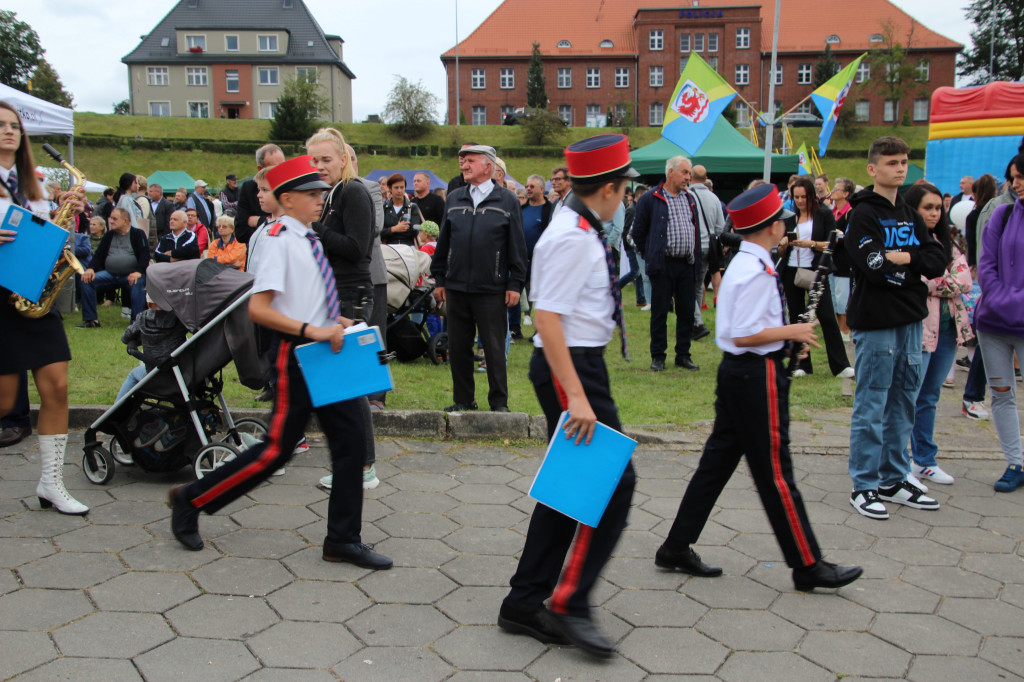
{"x": 616, "y": 54}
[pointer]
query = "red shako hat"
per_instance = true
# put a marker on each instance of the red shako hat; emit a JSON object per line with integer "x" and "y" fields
{"x": 599, "y": 159}
{"x": 756, "y": 209}
{"x": 293, "y": 175}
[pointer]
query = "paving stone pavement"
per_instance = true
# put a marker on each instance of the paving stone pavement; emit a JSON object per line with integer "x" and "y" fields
{"x": 112, "y": 597}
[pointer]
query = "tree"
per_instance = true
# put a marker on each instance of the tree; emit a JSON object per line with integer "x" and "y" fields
{"x": 826, "y": 67}
{"x": 123, "y": 107}
{"x": 20, "y": 51}
{"x": 999, "y": 19}
{"x": 896, "y": 67}
{"x": 298, "y": 108}
{"x": 411, "y": 109}
{"x": 536, "y": 95}
{"x": 541, "y": 126}
{"x": 46, "y": 85}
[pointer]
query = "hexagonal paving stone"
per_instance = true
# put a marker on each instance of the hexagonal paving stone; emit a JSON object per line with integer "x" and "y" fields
{"x": 197, "y": 659}
{"x": 138, "y": 591}
{"x": 480, "y": 569}
{"x": 431, "y": 483}
{"x": 233, "y": 575}
{"x": 212, "y": 616}
{"x": 24, "y": 651}
{"x": 641, "y": 573}
{"x": 931, "y": 668}
{"x": 103, "y": 538}
{"x": 488, "y": 475}
{"x": 28, "y": 609}
{"x": 417, "y": 501}
{"x": 854, "y": 653}
{"x": 289, "y": 675}
{"x": 17, "y": 551}
{"x": 750, "y": 630}
{"x": 925, "y": 634}
{"x": 400, "y": 625}
{"x": 806, "y": 611}
{"x": 260, "y": 544}
{"x": 760, "y": 546}
{"x": 730, "y": 592}
{"x": 304, "y": 645}
{"x": 476, "y": 647}
{"x": 70, "y": 570}
{"x": 769, "y": 666}
{"x": 319, "y": 601}
{"x": 471, "y": 493}
{"x": 672, "y": 650}
{"x": 569, "y": 663}
{"x": 890, "y": 596}
{"x": 410, "y": 525}
{"x": 499, "y": 541}
{"x": 1005, "y": 652}
{"x": 288, "y": 494}
{"x": 274, "y": 516}
{"x": 406, "y": 586}
{"x": 1006, "y": 568}
{"x": 309, "y": 564}
{"x": 474, "y": 453}
{"x": 83, "y": 669}
{"x": 951, "y": 581}
{"x": 424, "y": 462}
{"x": 473, "y": 605}
{"x": 386, "y": 664}
{"x": 655, "y": 608}
{"x": 167, "y": 556}
{"x": 113, "y": 635}
{"x": 985, "y": 616}
{"x": 975, "y": 540}
{"x": 486, "y": 515}
{"x": 39, "y": 524}
{"x": 416, "y": 553}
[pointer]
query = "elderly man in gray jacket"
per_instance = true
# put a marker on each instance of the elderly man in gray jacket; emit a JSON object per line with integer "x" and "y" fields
{"x": 712, "y": 222}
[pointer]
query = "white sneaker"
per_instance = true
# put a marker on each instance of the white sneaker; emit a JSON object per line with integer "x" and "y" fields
{"x": 975, "y": 410}
{"x": 906, "y": 494}
{"x": 799, "y": 373}
{"x": 279, "y": 472}
{"x": 327, "y": 481}
{"x": 646, "y": 308}
{"x": 912, "y": 480}
{"x": 126, "y": 312}
{"x": 847, "y": 373}
{"x": 867, "y": 503}
{"x": 934, "y": 474}
{"x": 527, "y": 321}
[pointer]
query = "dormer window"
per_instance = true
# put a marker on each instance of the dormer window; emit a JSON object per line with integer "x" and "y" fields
{"x": 833, "y": 39}
{"x": 876, "y": 38}
{"x": 607, "y": 43}
{"x": 164, "y": 42}
{"x": 563, "y": 43}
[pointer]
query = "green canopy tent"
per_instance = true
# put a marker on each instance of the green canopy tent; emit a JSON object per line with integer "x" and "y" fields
{"x": 172, "y": 180}
{"x": 914, "y": 173}
{"x": 731, "y": 159}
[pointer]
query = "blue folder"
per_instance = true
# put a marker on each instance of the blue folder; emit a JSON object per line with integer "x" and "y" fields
{"x": 578, "y": 480}
{"x": 354, "y": 371}
{"x": 26, "y": 263}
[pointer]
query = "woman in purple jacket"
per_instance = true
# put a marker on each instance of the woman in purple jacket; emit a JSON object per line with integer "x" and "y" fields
{"x": 1000, "y": 321}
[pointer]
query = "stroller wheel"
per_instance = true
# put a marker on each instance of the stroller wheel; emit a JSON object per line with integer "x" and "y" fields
{"x": 212, "y": 456}
{"x": 120, "y": 455}
{"x": 98, "y": 465}
{"x": 248, "y": 432}
{"x": 437, "y": 348}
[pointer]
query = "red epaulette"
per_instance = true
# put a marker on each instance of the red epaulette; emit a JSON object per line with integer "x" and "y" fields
{"x": 583, "y": 224}
{"x": 768, "y": 269}
{"x": 276, "y": 229}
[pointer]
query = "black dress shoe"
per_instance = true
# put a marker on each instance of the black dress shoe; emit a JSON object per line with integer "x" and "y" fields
{"x": 13, "y": 435}
{"x": 686, "y": 560}
{"x": 657, "y": 365}
{"x": 461, "y": 407}
{"x": 503, "y": 408}
{"x": 687, "y": 363}
{"x": 359, "y": 554}
{"x": 583, "y": 633}
{"x": 699, "y": 333}
{"x": 824, "y": 574}
{"x": 88, "y": 324}
{"x": 538, "y": 625}
{"x": 184, "y": 520}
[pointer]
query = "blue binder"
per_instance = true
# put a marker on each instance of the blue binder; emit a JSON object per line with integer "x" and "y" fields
{"x": 578, "y": 480}
{"x": 26, "y": 263}
{"x": 356, "y": 370}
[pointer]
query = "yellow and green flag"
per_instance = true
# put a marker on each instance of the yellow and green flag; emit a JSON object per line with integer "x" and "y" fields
{"x": 829, "y": 99}
{"x": 699, "y": 99}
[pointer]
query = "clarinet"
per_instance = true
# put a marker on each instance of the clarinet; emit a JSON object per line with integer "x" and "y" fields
{"x": 814, "y": 295}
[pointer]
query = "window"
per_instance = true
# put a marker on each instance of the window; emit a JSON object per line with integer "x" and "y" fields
{"x": 712, "y": 42}
{"x": 231, "y": 81}
{"x": 622, "y": 77}
{"x": 563, "y": 44}
{"x": 593, "y": 77}
{"x": 565, "y": 78}
{"x": 606, "y": 43}
{"x": 657, "y": 39}
{"x": 921, "y": 109}
{"x": 164, "y": 42}
{"x": 742, "y": 115}
{"x": 778, "y": 74}
{"x": 507, "y": 79}
{"x": 922, "y": 71}
{"x": 506, "y": 109}
{"x": 479, "y": 115}
{"x": 268, "y": 109}
{"x": 863, "y": 72}
{"x": 683, "y": 61}
{"x": 268, "y": 75}
{"x": 684, "y": 42}
{"x": 713, "y": 63}
{"x": 698, "y": 42}
{"x": 157, "y": 75}
{"x": 890, "y": 110}
{"x": 833, "y": 39}
{"x": 231, "y": 43}
{"x": 656, "y": 115}
{"x": 159, "y": 108}
{"x": 478, "y": 79}
{"x": 309, "y": 74}
{"x": 621, "y": 111}
{"x": 804, "y": 74}
{"x": 565, "y": 113}
{"x": 595, "y": 117}
{"x": 196, "y": 43}
{"x": 199, "y": 110}
{"x": 742, "y": 74}
{"x": 267, "y": 43}
{"x": 876, "y": 38}
{"x": 742, "y": 38}
{"x": 892, "y": 72}
{"x": 657, "y": 76}
{"x": 862, "y": 111}
{"x": 196, "y": 76}
{"x": 805, "y": 108}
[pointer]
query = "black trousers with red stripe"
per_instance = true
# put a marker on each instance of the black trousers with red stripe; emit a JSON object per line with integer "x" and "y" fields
{"x": 342, "y": 423}
{"x": 751, "y": 419}
{"x": 551, "y": 533}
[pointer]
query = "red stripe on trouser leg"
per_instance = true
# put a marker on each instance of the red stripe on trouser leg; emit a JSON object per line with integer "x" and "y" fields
{"x": 570, "y": 579}
{"x": 780, "y": 482}
{"x": 273, "y": 447}
{"x": 563, "y": 399}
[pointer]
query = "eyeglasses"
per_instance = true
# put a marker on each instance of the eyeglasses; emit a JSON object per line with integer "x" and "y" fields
{"x": 16, "y": 127}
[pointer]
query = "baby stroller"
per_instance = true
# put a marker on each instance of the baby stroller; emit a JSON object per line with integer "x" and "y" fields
{"x": 176, "y": 415}
{"x": 409, "y": 333}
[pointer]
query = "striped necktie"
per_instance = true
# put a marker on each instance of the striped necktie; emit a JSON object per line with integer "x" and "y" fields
{"x": 330, "y": 286}
{"x": 12, "y": 184}
{"x": 613, "y": 279}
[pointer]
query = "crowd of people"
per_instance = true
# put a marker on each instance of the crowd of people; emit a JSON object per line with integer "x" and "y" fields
{"x": 887, "y": 272}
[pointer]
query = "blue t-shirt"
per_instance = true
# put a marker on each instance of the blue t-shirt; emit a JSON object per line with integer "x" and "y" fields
{"x": 532, "y": 228}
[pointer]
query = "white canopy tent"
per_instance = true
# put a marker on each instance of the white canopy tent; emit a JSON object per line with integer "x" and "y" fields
{"x": 41, "y": 117}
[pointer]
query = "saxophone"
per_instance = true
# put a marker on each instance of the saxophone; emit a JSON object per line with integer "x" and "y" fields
{"x": 67, "y": 265}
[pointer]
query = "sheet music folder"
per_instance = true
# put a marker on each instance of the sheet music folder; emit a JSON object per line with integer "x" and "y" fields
{"x": 356, "y": 370}
{"x": 26, "y": 263}
{"x": 578, "y": 480}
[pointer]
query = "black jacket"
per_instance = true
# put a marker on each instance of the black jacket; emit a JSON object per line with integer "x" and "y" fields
{"x": 182, "y": 247}
{"x": 408, "y": 211}
{"x": 140, "y": 247}
{"x": 346, "y": 228}
{"x": 163, "y": 212}
{"x": 248, "y": 205}
{"x": 482, "y": 249}
{"x": 158, "y": 332}
{"x": 432, "y": 207}
{"x": 883, "y": 294}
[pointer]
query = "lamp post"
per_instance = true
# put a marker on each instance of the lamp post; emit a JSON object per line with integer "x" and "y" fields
{"x": 769, "y": 128}
{"x": 458, "y": 111}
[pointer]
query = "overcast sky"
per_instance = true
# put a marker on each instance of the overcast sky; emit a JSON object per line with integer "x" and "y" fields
{"x": 86, "y": 41}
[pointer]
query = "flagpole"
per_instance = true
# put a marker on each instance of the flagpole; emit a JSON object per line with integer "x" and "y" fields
{"x": 797, "y": 105}
{"x": 770, "y": 123}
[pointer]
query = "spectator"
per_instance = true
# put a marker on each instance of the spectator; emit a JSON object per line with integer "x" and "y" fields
{"x": 229, "y": 195}
{"x": 458, "y": 180}
{"x": 712, "y": 224}
{"x": 821, "y": 188}
{"x": 161, "y": 209}
{"x": 385, "y": 191}
{"x": 97, "y": 228}
{"x": 560, "y": 185}
{"x": 441, "y": 192}
{"x": 121, "y": 259}
{"x": 839, "y": 280}
{"x": 218, "y": 208}
{"x": 105, "y": 204}
{"x": 180, "y": 199}
{"x": 148, "y": 221}
{"x": 124, "y": 197}
{"x": 427, "y": 238}
{"x": 983, "y": 191}
{"x": 400, "y": 218}
{"x": 431, "y": 206}
{"x": 966, "y": 190}
{"x": 947, "y": 201}
{"x": 178, "y": 244}
{"x": 225, "y": 249}
{"x": 200, "y": 201}
{"x": 521, "y": 195}
{"x": 536, "y": 216}
{"x": 198, "y": 229}
{"x": 248, "y": 214}
{"x": 500, "y": 172}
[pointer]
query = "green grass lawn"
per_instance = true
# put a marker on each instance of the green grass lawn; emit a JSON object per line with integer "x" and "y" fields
{"x": 673, "y": 397}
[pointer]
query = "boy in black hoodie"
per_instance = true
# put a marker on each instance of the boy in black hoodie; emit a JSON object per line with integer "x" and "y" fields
{"x": 889, "y": 249}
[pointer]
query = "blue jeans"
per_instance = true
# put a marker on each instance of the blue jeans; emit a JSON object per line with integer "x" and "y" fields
{"x": 935, "y": 367}
{"x": 104, "y": 281}
{"x": 133, "y": 378}
{"x": 888, "y": 366}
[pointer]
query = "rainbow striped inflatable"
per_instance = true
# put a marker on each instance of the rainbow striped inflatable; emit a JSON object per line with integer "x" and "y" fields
{"x": 973, "y": 131}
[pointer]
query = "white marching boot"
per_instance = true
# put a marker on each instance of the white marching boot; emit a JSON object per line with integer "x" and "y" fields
{"x": 51, "y": 491}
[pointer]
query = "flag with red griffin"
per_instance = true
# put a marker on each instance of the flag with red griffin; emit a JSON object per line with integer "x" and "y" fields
{"x": 699, "y": 99}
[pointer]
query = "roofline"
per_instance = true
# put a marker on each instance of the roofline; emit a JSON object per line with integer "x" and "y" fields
{"x": 617, "y": 55}
{"x": 140, "y": 61}
{"x": 230, "y": 28}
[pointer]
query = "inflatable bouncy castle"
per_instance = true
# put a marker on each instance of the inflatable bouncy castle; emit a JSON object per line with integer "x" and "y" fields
{"x": 973, "y": 131}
